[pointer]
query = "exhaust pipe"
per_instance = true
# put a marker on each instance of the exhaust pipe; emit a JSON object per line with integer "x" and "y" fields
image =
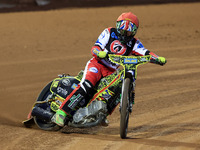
{"x": 42, "y": 114}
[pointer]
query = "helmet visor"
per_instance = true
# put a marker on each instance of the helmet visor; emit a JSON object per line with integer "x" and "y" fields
{"x": 125, "y": 25}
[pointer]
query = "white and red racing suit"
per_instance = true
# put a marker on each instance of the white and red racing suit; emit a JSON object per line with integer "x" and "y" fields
{"x": 97, "y": 68}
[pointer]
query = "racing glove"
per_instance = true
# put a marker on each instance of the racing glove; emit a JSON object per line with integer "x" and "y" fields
{"x": 161, "y": 60}
{"x": 102, "y": 54}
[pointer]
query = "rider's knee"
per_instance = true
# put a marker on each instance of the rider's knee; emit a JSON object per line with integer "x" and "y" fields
{"x": 86, "y": 86}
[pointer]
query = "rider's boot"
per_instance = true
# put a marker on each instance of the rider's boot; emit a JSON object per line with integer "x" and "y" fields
{"x": 59, "y": 117}
{"x": 74, "y": 101}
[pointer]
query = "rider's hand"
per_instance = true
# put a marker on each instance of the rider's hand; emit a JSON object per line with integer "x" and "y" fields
{"x": 161, "y": 60}
{"x": 102, "y": 54}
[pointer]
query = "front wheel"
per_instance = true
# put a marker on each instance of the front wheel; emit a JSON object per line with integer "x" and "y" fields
{"x": 124, "y": 111}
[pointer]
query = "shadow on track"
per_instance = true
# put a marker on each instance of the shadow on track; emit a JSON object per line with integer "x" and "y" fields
{"x": 140, "y": 134}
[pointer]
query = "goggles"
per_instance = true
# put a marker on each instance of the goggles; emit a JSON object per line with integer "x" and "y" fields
{"x": 126, "y": 28}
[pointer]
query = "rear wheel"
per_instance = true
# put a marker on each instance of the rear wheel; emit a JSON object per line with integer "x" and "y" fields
{"x": 124, "y": 117}
{"x": 42, "y": 124}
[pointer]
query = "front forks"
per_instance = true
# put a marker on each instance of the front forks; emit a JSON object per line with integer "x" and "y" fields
{"x": 132, "y": 98}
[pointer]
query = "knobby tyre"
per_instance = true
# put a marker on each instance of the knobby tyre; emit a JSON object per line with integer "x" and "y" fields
{"x": 124, "y": 113}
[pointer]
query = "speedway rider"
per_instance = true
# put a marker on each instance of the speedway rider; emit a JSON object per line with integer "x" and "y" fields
{"x": 119, "y": 40}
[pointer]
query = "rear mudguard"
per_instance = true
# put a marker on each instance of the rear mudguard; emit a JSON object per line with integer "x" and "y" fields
{"x": 59, "y": 86}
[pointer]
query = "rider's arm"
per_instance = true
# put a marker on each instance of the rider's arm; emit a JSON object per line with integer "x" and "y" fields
{"x": 98, "y": 50}
{"x": 139, "y": 50}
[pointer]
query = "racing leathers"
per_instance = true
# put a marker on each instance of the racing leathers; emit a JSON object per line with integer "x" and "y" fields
{"x": 96, "y": 67}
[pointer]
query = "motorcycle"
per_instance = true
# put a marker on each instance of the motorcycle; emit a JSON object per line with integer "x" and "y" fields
{"x": 117, "y": 88}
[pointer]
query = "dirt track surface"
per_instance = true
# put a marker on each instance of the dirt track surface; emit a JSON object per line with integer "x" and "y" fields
{"x": 37, "y": 46}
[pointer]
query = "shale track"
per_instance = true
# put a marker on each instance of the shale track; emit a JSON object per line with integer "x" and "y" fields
{"x": 37, "y": 46}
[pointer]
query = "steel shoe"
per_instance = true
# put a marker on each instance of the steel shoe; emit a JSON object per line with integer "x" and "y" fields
{"x": 59, "y": 118}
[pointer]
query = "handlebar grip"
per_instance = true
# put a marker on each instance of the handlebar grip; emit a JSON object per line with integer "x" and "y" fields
{"x": 157, "y": 62}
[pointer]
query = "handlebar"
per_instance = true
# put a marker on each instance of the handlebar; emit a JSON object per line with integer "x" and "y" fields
{"x": 157, "y": 62}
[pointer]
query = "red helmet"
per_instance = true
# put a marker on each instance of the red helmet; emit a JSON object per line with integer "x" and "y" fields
{"x": 127, "y": 25}
{"x": 129, "y": 16}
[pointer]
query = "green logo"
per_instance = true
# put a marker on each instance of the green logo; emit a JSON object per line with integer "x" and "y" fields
{"x": 74, "y": 100}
